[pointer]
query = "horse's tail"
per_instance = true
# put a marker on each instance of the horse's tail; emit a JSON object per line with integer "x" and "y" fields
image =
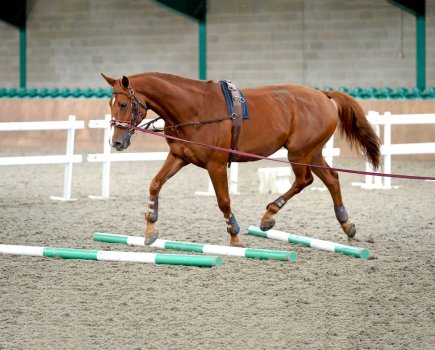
{"x": 355, "y": 126}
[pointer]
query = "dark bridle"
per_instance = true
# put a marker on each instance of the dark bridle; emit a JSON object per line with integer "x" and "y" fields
{"x": 136, "y": 113}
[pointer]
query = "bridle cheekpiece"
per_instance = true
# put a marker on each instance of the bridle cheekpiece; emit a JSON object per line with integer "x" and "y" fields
{"x": 135, "y": 112}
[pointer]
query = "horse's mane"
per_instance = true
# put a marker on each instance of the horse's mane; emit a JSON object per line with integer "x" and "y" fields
{"x": 177, "y": 79}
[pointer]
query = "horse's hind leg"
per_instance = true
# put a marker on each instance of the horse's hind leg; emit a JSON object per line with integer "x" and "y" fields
{"x": 219, "y": 179}
{"x": 303, "y": 179}
{"x": 170, "y": 167}
{"x": 330, "y": 179}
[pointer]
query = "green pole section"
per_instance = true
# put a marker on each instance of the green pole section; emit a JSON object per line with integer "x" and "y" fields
{"x": 270, "y": 254}
{"x": 189, "y": 260}
{"x": 70, "y": 253}
{"x": 310, "y": 242}
{"x": 352, "y": 251}
{"x": 184, "y": 246}
{"x": 102, "y": 237}
{"x": 23, "y": 63}
{"x": 202, "y": 33}
{"x": 421, "y": 51}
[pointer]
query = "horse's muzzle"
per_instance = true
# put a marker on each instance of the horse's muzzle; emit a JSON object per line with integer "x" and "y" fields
{"x": 121, "y": 145}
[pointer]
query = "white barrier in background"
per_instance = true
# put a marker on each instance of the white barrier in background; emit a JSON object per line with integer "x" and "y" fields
{"x": 277, "y": 179}
{"x": 388, "y": 149}
{"x": 69, "y": 159}
{"x": 107, "y": 157}
{"x": 274, "y": 180}
{"x": 281, "y": 176}
{"x": 372, "y": 182}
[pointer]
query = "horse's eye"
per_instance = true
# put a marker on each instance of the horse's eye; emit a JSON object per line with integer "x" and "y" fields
{"x": 124, "y": 106}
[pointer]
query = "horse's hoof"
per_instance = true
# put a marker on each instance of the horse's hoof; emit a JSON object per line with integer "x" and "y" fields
{"x": 235, "y": 242}
{"x": 349, "y": 229}
{"x": 150, "y": 239}
{"x": 266, "y": 225}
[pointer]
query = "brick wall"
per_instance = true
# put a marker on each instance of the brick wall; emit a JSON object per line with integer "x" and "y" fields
{"x": 317, "y": 42}
{"x": 9, "y": 55}
{"x": 71, "y": 42}
{"x": 313, "y": 42}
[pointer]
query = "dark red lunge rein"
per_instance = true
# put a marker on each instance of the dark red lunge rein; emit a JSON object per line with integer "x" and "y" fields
{"x": 250, "y": 155}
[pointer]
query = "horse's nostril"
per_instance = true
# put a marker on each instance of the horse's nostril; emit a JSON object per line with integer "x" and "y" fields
{"x": 118, "y": 145}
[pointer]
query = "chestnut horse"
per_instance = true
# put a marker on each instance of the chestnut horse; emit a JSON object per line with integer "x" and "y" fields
{"x": 299, "y": 118}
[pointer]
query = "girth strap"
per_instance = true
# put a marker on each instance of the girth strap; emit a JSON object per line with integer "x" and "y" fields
{"x": 238, "y": 110}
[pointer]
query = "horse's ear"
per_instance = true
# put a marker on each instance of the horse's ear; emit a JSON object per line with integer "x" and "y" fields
{"x": 125, "y": 82}
{"x": 109, "y": 80}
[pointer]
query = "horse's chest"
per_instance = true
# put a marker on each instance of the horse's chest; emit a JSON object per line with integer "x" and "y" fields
{"x": 186, "y": 153}
{"x": 189, "y": 155}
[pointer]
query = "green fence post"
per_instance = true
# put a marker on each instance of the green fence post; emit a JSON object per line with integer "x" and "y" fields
{"x": 23, "y": 70}
{"x": 421, "y": 52}
{"x": 202, "y": 33}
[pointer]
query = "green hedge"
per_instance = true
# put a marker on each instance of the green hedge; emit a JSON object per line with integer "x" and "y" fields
{"x": 55, "y": 93}
{"x": 389, "y": 93}
{"x": 362, "y": 93}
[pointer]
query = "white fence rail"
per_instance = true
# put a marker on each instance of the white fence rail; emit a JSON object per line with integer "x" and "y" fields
{"x": 68, "y": 159}
{"x": 388, "y": 149}
{"x": 372, "y": 182}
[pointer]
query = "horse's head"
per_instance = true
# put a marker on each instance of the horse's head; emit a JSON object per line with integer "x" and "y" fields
{"x": 126, "y": 110}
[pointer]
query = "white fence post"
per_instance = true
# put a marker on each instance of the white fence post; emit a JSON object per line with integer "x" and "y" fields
{"x": 371, "y": 182}
{"x": 106, "y": 165}
{"x": 387, "y": 151}
{"x": 234, "y": 176}
{"x": 67, "y": 181}
{"x": 209, "y": 192}
{"x": 68, "y": 159}
{"x": 328, "y": 153}
{"x": 329, "y": 157}
{"x": 105, "y": 183}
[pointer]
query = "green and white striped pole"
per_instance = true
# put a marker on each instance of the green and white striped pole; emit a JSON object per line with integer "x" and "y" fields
{"x": 197, "y": 247}
{"x": 102, "y": 255}
{"x": 310, "y": 242}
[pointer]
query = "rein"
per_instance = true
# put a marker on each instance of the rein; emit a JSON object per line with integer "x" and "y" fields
{"x": 256, "y": 156}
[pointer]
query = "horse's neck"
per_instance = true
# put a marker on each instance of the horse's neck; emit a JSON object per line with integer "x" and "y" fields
{"x": 175, "y": 99}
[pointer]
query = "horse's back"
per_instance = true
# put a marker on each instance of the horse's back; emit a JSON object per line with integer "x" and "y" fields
{"x": 290, "y": 115}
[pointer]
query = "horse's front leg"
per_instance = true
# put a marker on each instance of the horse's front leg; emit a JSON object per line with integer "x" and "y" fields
{"x": 218, "y": 176}
{"x": 171, "y": 166}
